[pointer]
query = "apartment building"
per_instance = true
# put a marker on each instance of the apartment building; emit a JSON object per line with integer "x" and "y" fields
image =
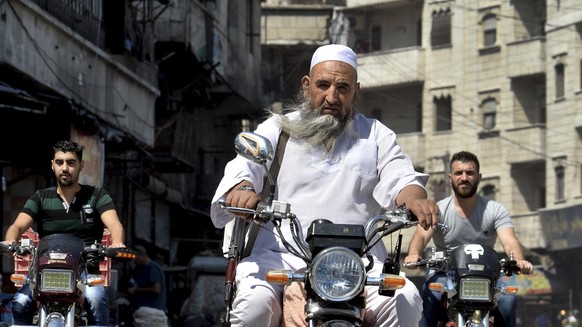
{"x": 154, "y": 90}
{"x": 498, "y": 78}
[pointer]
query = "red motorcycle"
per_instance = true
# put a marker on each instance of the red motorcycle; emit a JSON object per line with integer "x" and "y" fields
{"x": 58, "y": 275}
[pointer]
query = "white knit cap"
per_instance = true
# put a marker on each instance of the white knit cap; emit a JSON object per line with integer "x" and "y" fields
{"x": 334, "y": 52}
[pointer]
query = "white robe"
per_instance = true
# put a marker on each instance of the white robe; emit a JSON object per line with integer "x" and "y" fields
{"x": 349, "y": 186}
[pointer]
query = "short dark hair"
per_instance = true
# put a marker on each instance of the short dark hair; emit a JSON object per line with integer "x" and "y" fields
{"x": 68, "y": 146}
{"x": 464, "y": 156}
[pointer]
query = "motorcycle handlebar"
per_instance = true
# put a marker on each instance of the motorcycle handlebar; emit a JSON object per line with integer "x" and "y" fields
{"x": 114, "y": 253}
{"x": 265, "y": 211}
{"x": 509, "y": 267}
{"x": 15, "y": 248}
{"x": 428, "y": 263}
{"x": 124, "y": 254}
{"x": 6, "y": 248}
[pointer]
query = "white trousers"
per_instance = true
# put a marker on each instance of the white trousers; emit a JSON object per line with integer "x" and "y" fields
{"x": 259, "y": 304}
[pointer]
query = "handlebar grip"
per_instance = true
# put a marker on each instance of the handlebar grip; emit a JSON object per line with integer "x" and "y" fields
{"x": 419, "y": 263}
{"x": 510, "y": 267}
{"x": 125, "y": 254}
{"x": 5, "y": 248}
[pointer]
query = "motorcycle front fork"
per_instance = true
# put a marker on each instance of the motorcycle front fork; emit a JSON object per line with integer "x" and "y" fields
{"x": 55, "y": 319}
{"x": 477, "y": 320}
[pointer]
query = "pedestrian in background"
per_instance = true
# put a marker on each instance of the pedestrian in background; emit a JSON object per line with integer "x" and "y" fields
{"x": 176, "y": 300}
{"x": 148, "y": 292}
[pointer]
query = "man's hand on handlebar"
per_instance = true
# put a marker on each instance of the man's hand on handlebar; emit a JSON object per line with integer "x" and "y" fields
{"x": 411, "y": 260}
{"x": 525, "y": 267}
{"x": 426, "y": 210}
{"x": 243, "y": 195}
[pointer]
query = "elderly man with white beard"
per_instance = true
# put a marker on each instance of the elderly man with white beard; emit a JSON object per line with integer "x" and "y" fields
{"x": 337, "y": 165}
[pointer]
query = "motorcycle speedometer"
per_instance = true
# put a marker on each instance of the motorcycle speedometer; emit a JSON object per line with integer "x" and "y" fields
{"x": 337, "y": 274}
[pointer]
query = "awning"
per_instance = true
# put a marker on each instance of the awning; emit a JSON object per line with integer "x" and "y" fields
{"x": 20, "y": 100}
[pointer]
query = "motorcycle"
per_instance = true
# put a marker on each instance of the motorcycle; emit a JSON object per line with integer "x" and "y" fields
{"x": 472, "y": 272}
{"x": 58, "y": 275}
{"x": 335, "y": 274}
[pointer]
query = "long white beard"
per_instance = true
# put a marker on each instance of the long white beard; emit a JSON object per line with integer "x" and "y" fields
{"x": 316, "y": 129}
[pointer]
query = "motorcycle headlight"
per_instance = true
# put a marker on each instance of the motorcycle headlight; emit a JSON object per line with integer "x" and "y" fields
{"x": 337, "y": 323}
{"x": 56, "y": 280}
{"x": 476, "y": 289}
{"x": 337, "y": 274}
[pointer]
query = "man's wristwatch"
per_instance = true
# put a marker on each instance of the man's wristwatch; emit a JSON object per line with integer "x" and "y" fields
{"x": 246, "y": 188}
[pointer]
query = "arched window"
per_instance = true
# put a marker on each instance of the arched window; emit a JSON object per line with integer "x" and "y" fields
{"x": 559, "y": 68}
{"x": 489, "y": 108}
{"x": 444, "y": 112}
{"x": 441, "y": 28}
{"x": 489, "y": 30}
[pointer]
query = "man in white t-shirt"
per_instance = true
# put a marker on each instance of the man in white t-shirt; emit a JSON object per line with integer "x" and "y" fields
{"x": 470, "y": 218}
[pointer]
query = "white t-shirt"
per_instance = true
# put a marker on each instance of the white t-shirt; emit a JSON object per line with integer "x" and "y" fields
{"x": 481, "y": 227}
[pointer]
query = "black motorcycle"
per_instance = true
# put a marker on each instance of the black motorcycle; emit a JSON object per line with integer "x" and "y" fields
{"x": 335, "y": 274}
{"x": 472, "y": 272}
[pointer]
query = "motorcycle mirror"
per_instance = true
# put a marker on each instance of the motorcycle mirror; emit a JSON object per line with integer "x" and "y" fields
{"x": 254, "y": 147}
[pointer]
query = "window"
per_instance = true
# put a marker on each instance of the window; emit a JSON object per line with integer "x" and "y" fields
{"x": 559, "y": 169}
{"x": 559, "y": 68}
{"x": 443, "y": 106}
{"x": 441, "y": 28}
{"x": 488, "y": 191}
{"x": 419, "y": 117}
{"x": 376, "y": 38}
{"x": 489, "y": 30}
{"x": 489, "y": 113}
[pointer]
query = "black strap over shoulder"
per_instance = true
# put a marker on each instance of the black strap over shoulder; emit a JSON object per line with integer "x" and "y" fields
{"x": 274, "y": 171}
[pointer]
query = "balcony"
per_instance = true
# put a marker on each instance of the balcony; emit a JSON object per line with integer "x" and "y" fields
{"x": 42, "y": 48}
{"x": 296, "y": 24}
{"x": 391, "y": 67}
{"x": 525, "y": 143}
{"x": 529, "y": 231}
{"x": 526, "y": 57}
{"x": 413, "y": 145}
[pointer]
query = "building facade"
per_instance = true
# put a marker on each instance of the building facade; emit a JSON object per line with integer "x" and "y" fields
{"x": 154, "y": 90}
{"x": 497, "y": 78}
